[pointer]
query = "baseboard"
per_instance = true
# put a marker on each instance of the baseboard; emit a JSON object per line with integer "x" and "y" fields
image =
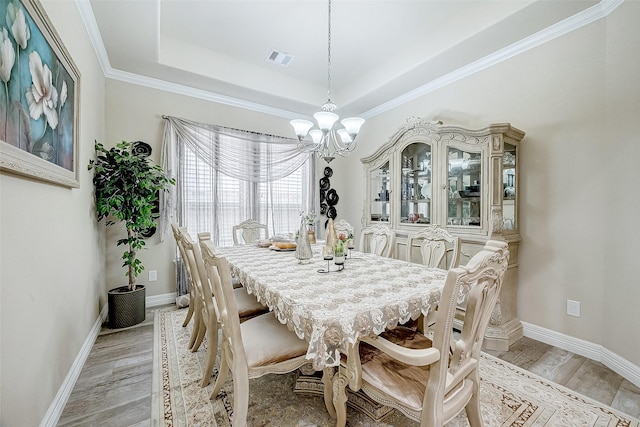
{"x": 54, "y": 412}
{"x": 163, "y": 299}
{"x": 584, "y": 348}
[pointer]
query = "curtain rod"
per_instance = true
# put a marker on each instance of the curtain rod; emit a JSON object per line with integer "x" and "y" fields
{"x": 239, "y": 130}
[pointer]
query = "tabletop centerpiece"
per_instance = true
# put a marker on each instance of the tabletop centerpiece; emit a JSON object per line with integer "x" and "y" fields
{"x": 310, "y": 220}
{"x": 339, "y": 249}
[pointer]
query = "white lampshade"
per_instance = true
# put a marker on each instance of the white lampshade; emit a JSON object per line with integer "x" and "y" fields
{"x": 344, "y": 136}
{"x": 352, "y": 125}
{"x": 301, "y": 127}
{"x": 316, "y": 135}
{"x": 325, "y": 120}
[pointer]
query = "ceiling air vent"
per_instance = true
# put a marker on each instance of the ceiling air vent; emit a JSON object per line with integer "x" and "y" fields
{"x": 280, "y": 58}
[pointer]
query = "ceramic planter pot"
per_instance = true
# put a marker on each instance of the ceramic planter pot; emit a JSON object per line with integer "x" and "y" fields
{"x": 126, "y": 308}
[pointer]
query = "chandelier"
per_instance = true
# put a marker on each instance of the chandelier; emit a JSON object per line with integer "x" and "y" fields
{"x": 326, "y": 141}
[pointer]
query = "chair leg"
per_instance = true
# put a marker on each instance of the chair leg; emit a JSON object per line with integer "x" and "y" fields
{"x": 212, "y": 352}
{"x": 473, "y": 407}
{"x": 327, "y": 380}
{"x": 202, "y": 330}
{"x": 240, "y": 399}
{"x": 222, "y": 376}
{"x": 196, "y": 328}
{"x": 189, "y": 315}
{"x": 340, "y": 382}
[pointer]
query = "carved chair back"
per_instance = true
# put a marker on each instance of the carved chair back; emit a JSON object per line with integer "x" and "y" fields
{"x": 182, "y": 264}
{"x": 250, "y": 230}
{"x": 343, "y": 227}
{"x": 436, "y": 245}
{"x": 201, "y": 303}
{"x": 378, "y": 239}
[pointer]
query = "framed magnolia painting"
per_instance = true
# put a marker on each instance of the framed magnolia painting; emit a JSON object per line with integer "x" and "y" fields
{"x": 39, "y": 85}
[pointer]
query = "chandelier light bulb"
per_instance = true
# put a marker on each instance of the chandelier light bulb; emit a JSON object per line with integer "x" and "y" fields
{"x": 316, "y": 135}
{"x": 325, "y": 120}
{"x": 301, "y": 127}
{"x": 352, "y": 125}
{"x": 344, "y": 136}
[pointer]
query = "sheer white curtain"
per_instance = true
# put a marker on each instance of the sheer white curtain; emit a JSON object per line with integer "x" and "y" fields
{"x": 225, "y": 176}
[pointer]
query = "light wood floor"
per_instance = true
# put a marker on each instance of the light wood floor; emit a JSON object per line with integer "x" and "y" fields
{"x": 114, "y": 387}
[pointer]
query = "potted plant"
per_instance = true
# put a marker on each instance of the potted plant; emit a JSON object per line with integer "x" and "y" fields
{"x": 127, "y": 187}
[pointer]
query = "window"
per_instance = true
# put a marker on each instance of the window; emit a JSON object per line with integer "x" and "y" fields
{"x": 208, "y": 199}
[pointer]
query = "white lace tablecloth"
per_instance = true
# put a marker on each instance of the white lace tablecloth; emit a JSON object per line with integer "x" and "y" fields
{"x": 331, "y": 311}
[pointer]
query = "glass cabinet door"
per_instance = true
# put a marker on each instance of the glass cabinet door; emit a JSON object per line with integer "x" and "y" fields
{"x": 465, "y": 187}
{"x": 509, "y": 187}
{"x": 415, "y": 184}
{"x": 380, "y": 186}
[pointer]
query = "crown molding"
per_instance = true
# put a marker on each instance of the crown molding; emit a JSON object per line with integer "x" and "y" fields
{"x": 558, "y": 29}
{"x": 89, "y": 19}
{"x": 179, "y": 89}
{"x": 587, "y": 16}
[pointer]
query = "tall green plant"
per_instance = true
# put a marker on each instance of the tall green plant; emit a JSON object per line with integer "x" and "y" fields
{"x": 127, "y": 186}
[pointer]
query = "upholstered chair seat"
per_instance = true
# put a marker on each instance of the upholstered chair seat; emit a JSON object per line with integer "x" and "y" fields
{"x": 264, "y": 338}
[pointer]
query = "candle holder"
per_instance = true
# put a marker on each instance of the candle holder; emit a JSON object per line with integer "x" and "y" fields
{"x": 350, "y": 246}
{"x": 327, "y": 255}
{"x": 338, "y": 260}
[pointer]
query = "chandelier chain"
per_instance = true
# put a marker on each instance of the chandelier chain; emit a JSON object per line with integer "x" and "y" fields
{"x": 329, "y": 56}
{"x": 326, "y": 141}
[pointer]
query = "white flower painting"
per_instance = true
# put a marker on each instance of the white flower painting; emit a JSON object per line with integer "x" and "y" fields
{"x": 38, "y": 91}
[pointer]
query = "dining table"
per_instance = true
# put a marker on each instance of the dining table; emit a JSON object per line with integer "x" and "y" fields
{"x": 332, "y": 310}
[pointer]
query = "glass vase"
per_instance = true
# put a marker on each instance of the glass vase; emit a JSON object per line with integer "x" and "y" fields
{"x": 303, "y": 246}
{"x": 312, "y": 237}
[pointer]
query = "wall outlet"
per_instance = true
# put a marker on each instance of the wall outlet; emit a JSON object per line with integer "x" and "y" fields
{"x": 573, "y": 308}
{"x": 153, "y": 275}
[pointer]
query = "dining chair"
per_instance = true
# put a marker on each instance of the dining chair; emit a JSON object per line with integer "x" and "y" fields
{"x": 343, "y": 227}
{"x": 194, "y": 295}
{"x": 378, "y": 239}
{"x": 250, "y": 231}
{"x": 205, "y": 311}
{"x": 431, "y": 380}
{"x": 259, "y": 346}
{"x": 435, "y": 245}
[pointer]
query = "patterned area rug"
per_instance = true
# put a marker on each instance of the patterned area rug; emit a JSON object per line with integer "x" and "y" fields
{"x": 510, "y": 396}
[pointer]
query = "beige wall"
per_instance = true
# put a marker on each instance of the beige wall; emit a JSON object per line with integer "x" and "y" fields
{"x": 621, "y": 284}
{"x": 577, "y": 98}
{"x": 51, "y": 259}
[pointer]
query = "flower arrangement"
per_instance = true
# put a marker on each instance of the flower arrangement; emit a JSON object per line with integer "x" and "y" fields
{"x": 309, "y": 218}
{"x": 340, "y": 243}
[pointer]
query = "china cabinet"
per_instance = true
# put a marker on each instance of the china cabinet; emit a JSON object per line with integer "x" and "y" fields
{"x": 463, "y": 180}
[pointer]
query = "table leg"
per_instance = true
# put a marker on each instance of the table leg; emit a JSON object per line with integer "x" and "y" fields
{"x": 340, "y": 382}
{"x": 327, "y": 380}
